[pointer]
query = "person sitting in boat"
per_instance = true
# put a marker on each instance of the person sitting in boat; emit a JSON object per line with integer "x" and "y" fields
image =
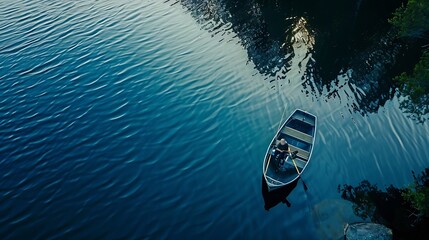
{"x": 282, "y": 148}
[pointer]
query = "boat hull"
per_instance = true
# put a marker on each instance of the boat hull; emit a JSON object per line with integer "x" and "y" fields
{"x": 299, "y": 130}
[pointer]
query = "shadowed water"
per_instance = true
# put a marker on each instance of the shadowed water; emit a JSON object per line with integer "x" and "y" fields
{"x": 131, "y": 119}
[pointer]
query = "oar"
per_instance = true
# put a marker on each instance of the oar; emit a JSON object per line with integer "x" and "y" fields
{"x": 294, "y": 163}
{"x": 266, "y": 169}
{"x": 305, "y": 186}
{"x": 303, "y": 183}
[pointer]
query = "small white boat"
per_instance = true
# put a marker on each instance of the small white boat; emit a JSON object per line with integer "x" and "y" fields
{"x": 299, "y": 130}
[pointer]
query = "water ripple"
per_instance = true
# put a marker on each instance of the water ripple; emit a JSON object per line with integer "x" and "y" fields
{"x": 112, "y": 112}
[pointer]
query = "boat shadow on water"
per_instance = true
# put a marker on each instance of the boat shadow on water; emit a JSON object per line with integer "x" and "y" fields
{"x": 274, "y": 197}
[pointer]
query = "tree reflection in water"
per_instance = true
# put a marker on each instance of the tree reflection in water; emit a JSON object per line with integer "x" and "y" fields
{"x": 337, "y": 50}
{"x": 404, "y": 210}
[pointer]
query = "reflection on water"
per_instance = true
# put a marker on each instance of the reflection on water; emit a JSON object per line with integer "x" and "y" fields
{"x": 126, "y": 119}
{"x": 337, "y": 51}
{"x": 271, "y": 199}
{"x": 409, "y": 220}
{"x": 416, "y": 109}
{"x": 331, "y": 215}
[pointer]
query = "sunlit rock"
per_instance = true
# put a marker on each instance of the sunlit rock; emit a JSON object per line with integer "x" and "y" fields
{"x": 367, "y": 231}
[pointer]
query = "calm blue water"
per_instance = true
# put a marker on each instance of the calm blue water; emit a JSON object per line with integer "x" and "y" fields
{"x": 129, "y": 119}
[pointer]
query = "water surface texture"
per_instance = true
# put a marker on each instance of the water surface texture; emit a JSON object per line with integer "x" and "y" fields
{"x": 134, "y": 119}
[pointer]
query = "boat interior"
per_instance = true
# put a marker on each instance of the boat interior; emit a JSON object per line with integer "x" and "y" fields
{"x": 299, "y": 132}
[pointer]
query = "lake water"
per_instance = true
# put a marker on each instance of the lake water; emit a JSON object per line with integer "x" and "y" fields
{"x": 137, "y": 119}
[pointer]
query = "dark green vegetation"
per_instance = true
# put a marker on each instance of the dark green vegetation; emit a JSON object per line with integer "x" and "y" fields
{"x": 412, "y": 21}
{"x": 404, "y": 210}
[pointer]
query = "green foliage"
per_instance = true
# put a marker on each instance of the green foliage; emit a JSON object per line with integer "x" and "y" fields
{"x": 415, "y": 89}
{"x": 404, "y": 210}
{"x": 416, "y": 84}
{"x": 419, "y": 198}
{"x": 412, "y": 20}
{"x": 418, "y": 193}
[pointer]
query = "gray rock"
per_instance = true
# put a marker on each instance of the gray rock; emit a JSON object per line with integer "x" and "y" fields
{"x": 367, "y": 231}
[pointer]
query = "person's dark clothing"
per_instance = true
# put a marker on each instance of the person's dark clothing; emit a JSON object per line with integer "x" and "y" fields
{"x": 284, "y": 148}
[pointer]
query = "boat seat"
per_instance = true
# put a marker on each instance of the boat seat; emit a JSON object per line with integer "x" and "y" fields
{"x": 299, "y": 163}
{"x": 301, "y": 153}
{"x": 305, "y": 118}
{"x": 299, "y": 135}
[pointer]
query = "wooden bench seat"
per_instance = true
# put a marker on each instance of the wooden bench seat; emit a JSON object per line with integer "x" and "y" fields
{"x": 299, "y": 163}
{"x": 299, "y": 135}
{"x": 301, "y": 153}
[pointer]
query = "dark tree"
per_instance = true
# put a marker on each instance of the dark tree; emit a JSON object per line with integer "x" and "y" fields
{"x": 404, "y": 210}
